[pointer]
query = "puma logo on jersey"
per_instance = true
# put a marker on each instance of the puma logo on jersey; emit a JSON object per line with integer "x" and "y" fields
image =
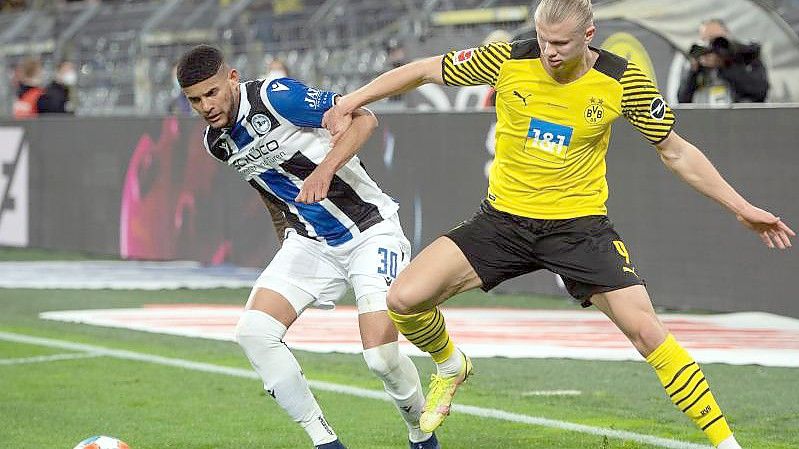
{"x": 388, "y": 281}
{"x": 629, "y": 270}
{"x": 522, "y": 97}
{"x": 277, "y": 87}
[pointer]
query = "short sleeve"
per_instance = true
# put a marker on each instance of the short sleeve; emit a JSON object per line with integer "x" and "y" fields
{"x": 301, "y": 105}
{"x": 206, "y": 136}
{"x": 475, "y": 66}
{"x": 644, "y": 107}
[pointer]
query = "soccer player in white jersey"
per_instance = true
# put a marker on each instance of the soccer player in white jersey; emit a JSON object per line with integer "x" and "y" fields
{"x": 343, "y": 230}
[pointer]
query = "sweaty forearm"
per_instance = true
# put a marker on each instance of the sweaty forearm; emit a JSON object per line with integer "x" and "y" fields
{"x": 694, "y": 168}
{"x": 363, "y": 124}
{"x": 395, "y": 82}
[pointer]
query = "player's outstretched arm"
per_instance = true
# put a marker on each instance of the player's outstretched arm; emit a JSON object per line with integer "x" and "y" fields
{"x": 316, "y": 185}
{"x": 684, "y": 159}
{"x": 393, "y": 82}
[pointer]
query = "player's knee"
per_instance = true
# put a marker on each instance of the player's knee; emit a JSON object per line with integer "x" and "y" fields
{"x": 382, "y": 360}
{"x": 257, "y": 328}
{"x": 402, "y": 298}
{"x": 648, "y": 335}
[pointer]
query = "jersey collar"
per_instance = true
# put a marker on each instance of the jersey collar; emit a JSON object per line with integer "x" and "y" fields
{"x": 244, "y": 104}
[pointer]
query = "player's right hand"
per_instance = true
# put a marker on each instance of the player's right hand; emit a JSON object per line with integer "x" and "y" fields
{"x": 315, "y": 186}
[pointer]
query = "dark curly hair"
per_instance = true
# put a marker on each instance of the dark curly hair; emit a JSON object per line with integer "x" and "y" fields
{"x": 199, "y": 64}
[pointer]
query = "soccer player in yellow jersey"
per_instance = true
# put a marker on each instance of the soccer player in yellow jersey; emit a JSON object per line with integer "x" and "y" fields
{"x": 545, "y": 209}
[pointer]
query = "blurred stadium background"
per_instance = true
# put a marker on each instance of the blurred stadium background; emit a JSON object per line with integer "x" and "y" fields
{"x": 125, "y": 49}
{"x": 126, "y": 179}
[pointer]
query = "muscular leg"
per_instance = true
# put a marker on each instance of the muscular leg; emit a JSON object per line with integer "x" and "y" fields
{"x": 631, "y": 310}
{"x": 376, "y": 329}
{"x": 437, "y": 273}
{"x": 440, "y": 271}
{"x": 260, "y": 333}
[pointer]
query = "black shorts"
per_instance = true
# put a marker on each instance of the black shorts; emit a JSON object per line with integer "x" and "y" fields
{"x": 586, "y": 252}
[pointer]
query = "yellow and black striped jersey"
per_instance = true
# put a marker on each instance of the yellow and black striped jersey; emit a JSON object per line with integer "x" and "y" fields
{"x": 552, "y": 138}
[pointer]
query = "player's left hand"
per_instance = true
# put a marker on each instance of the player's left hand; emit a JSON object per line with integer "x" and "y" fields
{"x": 773, "y": 232}
{"x": 337, "y": 120}
{"x": 315, "y": 186}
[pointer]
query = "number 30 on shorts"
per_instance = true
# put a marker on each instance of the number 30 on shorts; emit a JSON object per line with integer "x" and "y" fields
{"x": 387, "y": 263}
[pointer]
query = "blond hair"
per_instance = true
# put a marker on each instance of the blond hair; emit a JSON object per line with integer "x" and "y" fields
{"x": 557, "y": 11}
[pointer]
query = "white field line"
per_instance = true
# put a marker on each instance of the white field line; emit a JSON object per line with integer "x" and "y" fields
{"x": 352, "y": 391}
{"x": 552, "y": 393}
{"x": 49, "y": 358}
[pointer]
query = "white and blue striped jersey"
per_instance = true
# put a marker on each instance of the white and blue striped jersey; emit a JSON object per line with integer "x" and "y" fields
{"x": 277, "y": 141}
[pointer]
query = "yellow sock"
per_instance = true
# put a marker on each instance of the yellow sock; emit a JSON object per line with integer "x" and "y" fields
{"x": 427, "y": 331}
{"x": 686, "y": 386}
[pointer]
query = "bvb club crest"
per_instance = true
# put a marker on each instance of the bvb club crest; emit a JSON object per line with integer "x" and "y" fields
{"x": 595, "y": 112}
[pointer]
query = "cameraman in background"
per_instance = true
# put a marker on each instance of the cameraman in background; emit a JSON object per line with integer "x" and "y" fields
{"x": 722, "y": 70}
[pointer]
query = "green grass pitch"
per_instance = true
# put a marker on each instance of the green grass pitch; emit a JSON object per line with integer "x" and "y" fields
{"x": 55, "y": 404}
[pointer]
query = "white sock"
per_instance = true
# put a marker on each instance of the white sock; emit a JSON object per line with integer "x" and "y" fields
{"x": 318, "y": 429}
{"x": 401, "y": 382}
{"x": 452, "y": 366}
{"x": 260, "y": 335}
{"x": 729, "y": 443}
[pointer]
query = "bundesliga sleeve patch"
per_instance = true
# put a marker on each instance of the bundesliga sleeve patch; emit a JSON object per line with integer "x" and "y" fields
{"x": 462, "y": 56}
{"x": 657, "y": 109}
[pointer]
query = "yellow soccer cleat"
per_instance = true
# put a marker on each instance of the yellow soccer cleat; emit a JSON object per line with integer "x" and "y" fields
{"x": 439, "y": 396}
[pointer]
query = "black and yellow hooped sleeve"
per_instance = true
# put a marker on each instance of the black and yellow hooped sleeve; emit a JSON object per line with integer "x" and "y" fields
{"x": 644, "y": 107}
{"x": 475, "y": 66}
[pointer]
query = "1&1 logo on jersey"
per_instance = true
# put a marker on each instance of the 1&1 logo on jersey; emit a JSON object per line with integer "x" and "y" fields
{"x": 548, "y": 141}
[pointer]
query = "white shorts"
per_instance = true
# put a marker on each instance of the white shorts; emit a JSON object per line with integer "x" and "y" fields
{"x": 309, "y": 273}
